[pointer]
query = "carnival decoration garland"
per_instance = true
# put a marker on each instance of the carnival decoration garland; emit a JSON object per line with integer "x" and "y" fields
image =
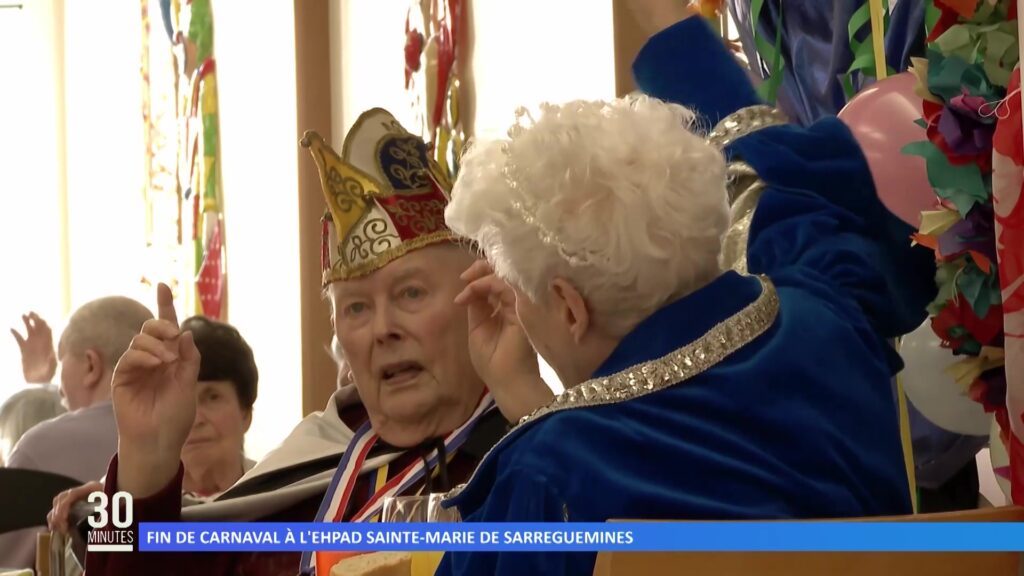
{"x": 197, "y": 244}
{"x": 433, "y": 31}
{"x": 972, "y": 51}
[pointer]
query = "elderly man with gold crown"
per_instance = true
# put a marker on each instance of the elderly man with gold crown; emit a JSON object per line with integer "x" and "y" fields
{"x": 692, "y": 391}
{"x": 423, "y": 417}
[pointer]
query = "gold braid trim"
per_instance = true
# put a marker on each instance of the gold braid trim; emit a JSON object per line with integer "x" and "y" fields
{"x": 385, "y": 257}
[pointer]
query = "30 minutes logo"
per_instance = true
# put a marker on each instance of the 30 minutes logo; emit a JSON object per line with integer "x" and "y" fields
{"x": 111, "y": 521}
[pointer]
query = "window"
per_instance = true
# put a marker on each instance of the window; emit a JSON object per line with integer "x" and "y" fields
{"x": 31, "y": 178}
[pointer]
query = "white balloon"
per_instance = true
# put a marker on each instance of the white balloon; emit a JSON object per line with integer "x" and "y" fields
{"x": 933, "y": 391}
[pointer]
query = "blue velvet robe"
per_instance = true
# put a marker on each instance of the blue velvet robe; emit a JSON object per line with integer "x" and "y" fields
{"x": 816, "y": 48}
{"x": 800, "y": 422}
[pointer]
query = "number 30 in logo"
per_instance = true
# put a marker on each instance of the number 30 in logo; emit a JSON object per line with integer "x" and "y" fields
{"x": 121, "y": 515}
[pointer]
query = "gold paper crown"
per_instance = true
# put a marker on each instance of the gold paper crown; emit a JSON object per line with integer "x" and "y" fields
{"x": 385, "y": 196}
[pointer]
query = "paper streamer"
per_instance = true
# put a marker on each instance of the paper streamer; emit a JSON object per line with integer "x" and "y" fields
{"x": 878, "y": 37}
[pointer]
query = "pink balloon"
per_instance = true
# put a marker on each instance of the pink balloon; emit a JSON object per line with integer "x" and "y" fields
{"x": 881, "y": 118}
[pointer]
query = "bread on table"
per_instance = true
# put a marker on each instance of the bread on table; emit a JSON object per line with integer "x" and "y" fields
{"x": 376, "y": 564}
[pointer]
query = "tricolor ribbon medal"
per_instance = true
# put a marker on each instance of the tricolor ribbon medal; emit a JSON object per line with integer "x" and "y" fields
{"x": 339, "y": 492}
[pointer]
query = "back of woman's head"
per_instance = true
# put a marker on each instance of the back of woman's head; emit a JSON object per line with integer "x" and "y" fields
{"x": 623, "y": 198}
{"x": 225, "y": 356}
{"x": 24, "y": 410}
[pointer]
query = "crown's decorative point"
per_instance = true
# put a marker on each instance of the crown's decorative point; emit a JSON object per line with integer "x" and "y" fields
{"x": 383, "y": 194}
{"x": 310, "y": 136}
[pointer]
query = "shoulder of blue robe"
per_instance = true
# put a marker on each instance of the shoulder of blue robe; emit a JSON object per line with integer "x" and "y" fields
{"x": 720, "y": 446}
{"x": 821, "y": 213}
{"x": 688, "y": 64}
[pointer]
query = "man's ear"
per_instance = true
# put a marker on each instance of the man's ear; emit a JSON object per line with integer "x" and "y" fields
{"x": 94, "y": 367}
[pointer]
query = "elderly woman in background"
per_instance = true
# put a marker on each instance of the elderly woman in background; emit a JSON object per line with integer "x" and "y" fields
{"x": 692, "y": 392}
{"x": 22, "y": 411}
{"x": 213, "y": 455}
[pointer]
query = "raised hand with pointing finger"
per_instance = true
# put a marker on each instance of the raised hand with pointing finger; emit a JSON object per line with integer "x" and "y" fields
{"x": 153, "y": 391}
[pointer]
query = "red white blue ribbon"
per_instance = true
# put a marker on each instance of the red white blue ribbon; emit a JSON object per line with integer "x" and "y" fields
{"x": 339, "y": 492}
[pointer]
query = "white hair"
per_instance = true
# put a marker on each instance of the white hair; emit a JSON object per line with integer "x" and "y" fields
{"x": 24, "y": 410}
{"x": 106, "y": 325}
{"x": 623, "y": 199}
{"x": 338, "y": 355}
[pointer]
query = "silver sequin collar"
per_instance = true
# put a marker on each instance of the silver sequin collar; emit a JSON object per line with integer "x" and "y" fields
{"x": 715, "y": 345}
{"x": 743, "y": 122}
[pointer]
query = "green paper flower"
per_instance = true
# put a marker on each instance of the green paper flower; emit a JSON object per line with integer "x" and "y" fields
{"x": 979, "y": 289}
{"x": 945, "y": 279}
{"x": 964, "y": 186}
{"x": 993, "y": 46}
{"x": 950, "y": 76}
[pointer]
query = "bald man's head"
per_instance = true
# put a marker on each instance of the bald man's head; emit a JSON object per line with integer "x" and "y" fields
{"x": 96, "y": 336}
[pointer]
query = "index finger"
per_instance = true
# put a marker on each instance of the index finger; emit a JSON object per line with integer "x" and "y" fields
{"x": 485, "y": 288}
{"x": 477, "y": 270}
{"x": 165, "y": 304}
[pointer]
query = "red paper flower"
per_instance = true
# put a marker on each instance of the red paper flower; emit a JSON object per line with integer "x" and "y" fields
{"x": 947, "y": 18}
{"x": 413, "y": 51}
{"x": 957, "y": 313}
{"x": 980, "y": 391}
{"x": 964, "y": 8}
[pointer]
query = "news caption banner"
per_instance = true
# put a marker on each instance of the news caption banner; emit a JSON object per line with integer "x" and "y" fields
{"x": 586, "y": 537}
{"x": 113, "y": 531}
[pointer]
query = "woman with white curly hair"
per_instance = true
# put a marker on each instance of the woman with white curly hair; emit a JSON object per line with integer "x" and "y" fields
{"x": 694, "y": 389}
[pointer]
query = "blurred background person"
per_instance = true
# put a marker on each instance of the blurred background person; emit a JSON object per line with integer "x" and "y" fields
{"x": 78, "y": 444}
{"x": 24, "y": 410}
{"x": 213, "y": 454}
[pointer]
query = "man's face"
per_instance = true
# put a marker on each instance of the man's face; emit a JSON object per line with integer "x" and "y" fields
{"x": 406, "y": 343}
